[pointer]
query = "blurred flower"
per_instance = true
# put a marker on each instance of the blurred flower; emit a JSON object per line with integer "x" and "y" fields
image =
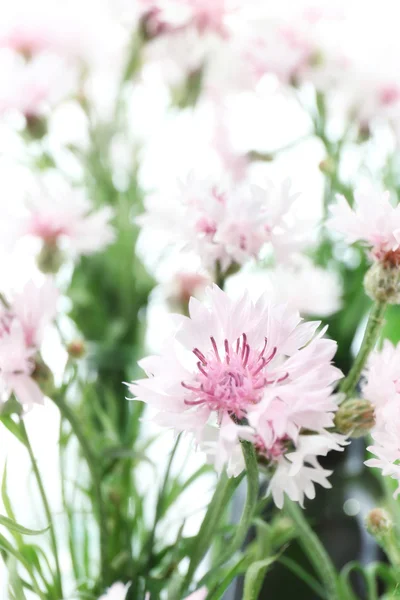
{"x": 183, "y": 285}
{"x": 373, "y": 221}
{"x": 63, "y": 28}
{"x": 381, "y": 386}
{"x": 35, "y": 308}
{"x": 33, "y": 87}
{"x": 238, "y": 370}
{"x": 61, "y": 215}
{"x": 22, "y": 324}
{"x": 168, "y": 17}
{"x": 228, "y": 226}
{"x": 17, "y": 366}
{"x": 310, "y": 289}
{"x": 118, "y": 591}
{"x": 306, "y": 287}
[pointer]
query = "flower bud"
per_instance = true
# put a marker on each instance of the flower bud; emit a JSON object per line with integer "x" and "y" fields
{"x": 355, "y": 417}
{"x": 382, "y": 282}
{"x": 11, "y": 407}
{"x": 36, "y": 126}
{"x": 327, "y": 166}
{"x": 43, "y": 376}
{"x": 76, "y": 349}
{"x": 50, "y": 258}
{"x": 378, "y": 522}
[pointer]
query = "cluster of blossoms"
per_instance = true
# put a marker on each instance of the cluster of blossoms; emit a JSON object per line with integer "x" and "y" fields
{"x": 162, "y": 17}
{"x": 23, "y": 321}
{"x": 231, "y": 226}
{"x": 62, "y": 218}
{"x": 238, "y": 370}
{"x": 45, "y": 49}
{"x": 381, "y": 387}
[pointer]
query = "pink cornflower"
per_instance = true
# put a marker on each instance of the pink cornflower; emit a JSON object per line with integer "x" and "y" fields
{"x": 381, "y": 386}
{"x": 374, "y": 221}
{"x": 208, "y": 15}
{"x": 205, "y": 16}
{"x": 59, "y": 214}
{"x": 228, "y": 226}
{"x": 183, "y": 285}
{"x": 242, "y": 370}
{"x": 22, "y": 324}
{"x": 33, "y": 87}
{"x": 35, "y": 308}
{"x": 62, "y": 28}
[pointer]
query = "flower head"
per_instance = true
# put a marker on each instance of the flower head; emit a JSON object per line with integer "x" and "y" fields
{"x": 241, "y": 370}
{"x": 381, "y": 386}
{"x": 62, "y": 216}
{"x": 22, "y": 324}
{"x": 229, "y": 226}
{"x": 373, "y": 221}
{"x": 32, "y": 87}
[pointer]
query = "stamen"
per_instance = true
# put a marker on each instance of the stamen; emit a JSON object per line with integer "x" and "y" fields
{"x": 237, "y": 345}
{"x": 264, "y": 348}
{"x": 190, "y": 387}
{"x": 262, "y": 365}
{"x": 271, "y": 356}
{"x": 201, "y": 369}
{"x": 282, "y": 378}
{"x": 215, "y": 348}
{"x": 244, "y": 345}
{"x": 194, "y": 402}
{"x": 246, "y": 354}
{"x": 200, "y": 356}
{"x": 227, "y": 356}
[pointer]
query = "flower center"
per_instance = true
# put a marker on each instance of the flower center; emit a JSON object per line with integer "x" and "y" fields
{"x": 275, "y": 451}
{"x": 232, "y": 382}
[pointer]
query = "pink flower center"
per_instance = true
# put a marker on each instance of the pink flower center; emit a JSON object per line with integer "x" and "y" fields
{"x": 231, "y": 383}
{"x": 206, "y": 226}
{"x": 389, "y": 95}
{"x": 45, "y": 229}
{"x": 278, "y": 448}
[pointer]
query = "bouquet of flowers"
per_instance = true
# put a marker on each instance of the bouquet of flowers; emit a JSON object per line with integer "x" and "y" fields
{"x": 195, "y": 334}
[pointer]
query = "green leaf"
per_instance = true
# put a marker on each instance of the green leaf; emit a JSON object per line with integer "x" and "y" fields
{"x": 12, "y": 525}
{"x": 239, "y": 567}
{"x": 13, "y": 427}
{"x": 15, "y": 581}
{"x": 255, "y": 577}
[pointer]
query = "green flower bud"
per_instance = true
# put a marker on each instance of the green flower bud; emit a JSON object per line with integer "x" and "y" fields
{"x": 36, "y": 126}
{"x": 378, "y": 523}
{"x": 355, "y": 417}
{"x": 382, "y": 282}
{"x": 43, "y": 376}
{"x": 50, "y": 258}
{"x": 76, "y": 349}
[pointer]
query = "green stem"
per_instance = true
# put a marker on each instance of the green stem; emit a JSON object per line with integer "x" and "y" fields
{"x": 222, "y": 494}
{"x": 373, "y": 329}
{"x": 238, "y": 539}
{"x": 93, "y": 466}
{"x": 315, "y": 551}
{"x": 46, "y": 505}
